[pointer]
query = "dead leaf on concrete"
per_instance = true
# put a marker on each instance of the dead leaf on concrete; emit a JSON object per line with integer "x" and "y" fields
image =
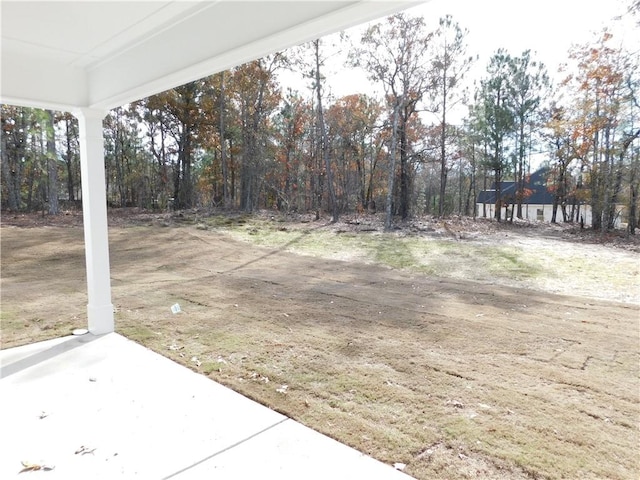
{"x": 34, "y": 467}
{"x": 84, "y": 450}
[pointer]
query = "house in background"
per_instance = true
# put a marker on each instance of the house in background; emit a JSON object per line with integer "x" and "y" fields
{"x": 537, "y": 206}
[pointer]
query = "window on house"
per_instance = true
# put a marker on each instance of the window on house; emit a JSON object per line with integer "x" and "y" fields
{"x": 540, "y": 214}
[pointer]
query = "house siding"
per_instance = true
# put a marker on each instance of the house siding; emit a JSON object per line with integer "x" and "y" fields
{"x": 530, "y": 213}
{"x": 538, "y": 206}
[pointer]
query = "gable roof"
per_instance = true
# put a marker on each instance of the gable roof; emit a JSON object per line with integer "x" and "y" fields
{"x": 536, "y": 182}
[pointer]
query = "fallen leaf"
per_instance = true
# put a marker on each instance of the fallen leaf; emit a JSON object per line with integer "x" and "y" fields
{"x": 33, "y": 467}
{"x": 84, "y": 450}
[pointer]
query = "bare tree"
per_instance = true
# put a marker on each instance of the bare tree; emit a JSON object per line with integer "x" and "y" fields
{"x": 449, "y": 65}
{"x": 395, "y": 53}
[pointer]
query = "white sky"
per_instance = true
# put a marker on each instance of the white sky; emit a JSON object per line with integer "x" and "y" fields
{"x": 547, "y": 27}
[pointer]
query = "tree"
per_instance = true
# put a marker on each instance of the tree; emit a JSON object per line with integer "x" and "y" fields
{"x": 52, "y": 162}
{"x": 449, "y": 65}
{"x": 222, "y": 124}
{"x": 292, "y": 127}
{"x": 324, "y": 139}
{"x": 395, "y": 53}
{"x": 257, "y": 95}
{"x": 71, "y": 155}
{"x": 493, "y": 116}
{"x": 528, "y": 84}
{"x": 353, "y": 125}
{"x": 13, "y": 152}
{"x": 182, "y": 115}
{"x": 603, "y": 105}
{"x": 559, "y": 139}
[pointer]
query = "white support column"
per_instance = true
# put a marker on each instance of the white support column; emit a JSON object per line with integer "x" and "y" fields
{"x": 94, "y": 211}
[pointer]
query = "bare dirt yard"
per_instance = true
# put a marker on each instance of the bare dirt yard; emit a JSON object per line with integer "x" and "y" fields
{"x": 461, "y": 349}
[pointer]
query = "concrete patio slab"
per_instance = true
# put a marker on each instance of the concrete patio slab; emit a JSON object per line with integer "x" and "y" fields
{"x": 105, "y": 407}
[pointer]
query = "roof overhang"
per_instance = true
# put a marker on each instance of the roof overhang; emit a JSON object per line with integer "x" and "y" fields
{"x": 66, "y": 55}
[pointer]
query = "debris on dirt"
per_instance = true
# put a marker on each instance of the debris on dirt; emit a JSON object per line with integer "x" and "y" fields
{"x": 175, "y": 308}
{"x": 34, "y": 467}
{"x": 399, "y": 466}
{"x": 427, "y": 452}
{"x": 196, "y": 361}
{"x": 382, "y": 324}
{"x": 261, "y": 378}
{"x": 283, "y": 389}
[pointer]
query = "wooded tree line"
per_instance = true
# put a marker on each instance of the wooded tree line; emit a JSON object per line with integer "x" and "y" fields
{"x": 241, "y": 140}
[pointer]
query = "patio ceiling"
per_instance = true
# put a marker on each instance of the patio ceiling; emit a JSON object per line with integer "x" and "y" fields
{"x": 66, "y": 55}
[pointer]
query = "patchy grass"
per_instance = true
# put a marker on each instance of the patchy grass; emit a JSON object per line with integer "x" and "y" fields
{"x": 375, "y": 339}
{"x": 428, "y": 256}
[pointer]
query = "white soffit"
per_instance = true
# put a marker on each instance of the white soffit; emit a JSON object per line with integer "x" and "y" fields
{"x": 66, "y": 55}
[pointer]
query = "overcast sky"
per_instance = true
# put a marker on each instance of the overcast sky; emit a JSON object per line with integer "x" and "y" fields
{"x": 547, "y": 27}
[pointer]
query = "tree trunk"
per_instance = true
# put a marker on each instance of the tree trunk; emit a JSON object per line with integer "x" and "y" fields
{"x": 392, "y": 166}
{"x": 69, "y": 160}
{"x": 11, "y": 172}
{"x": 404, "y": 169}
{"x": 223, "y": 144}
{"x": 52, "y": 164}
{"x": 324, "y": 138}
{"x": 443, "y": 153}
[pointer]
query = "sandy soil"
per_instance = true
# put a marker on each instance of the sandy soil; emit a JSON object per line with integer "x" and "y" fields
{"x": 453, "y": 376}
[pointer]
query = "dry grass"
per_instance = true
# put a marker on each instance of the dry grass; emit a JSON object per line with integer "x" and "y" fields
{"x": 456, "y": 379}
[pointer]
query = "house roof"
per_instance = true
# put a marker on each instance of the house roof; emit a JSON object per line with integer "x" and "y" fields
{"x": 66, "y": 55}
{"x": 536, "y": 183}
